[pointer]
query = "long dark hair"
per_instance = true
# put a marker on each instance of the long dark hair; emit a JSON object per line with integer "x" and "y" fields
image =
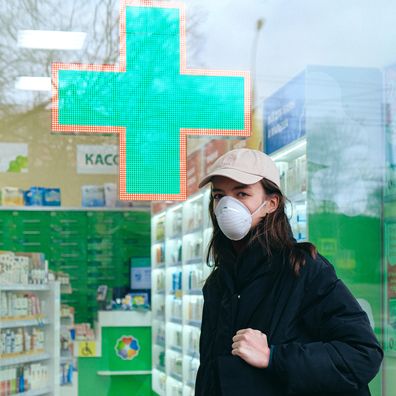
{"x": 273, "y": 233}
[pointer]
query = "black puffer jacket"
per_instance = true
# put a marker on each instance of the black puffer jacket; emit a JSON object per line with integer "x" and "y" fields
{"x": 323, "y": 341}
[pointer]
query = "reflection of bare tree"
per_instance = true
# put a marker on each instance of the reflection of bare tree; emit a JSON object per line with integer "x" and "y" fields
{"x": 98, "y": 18}
{"x": 338, "y": 177}
{"x": 25, "y": 113}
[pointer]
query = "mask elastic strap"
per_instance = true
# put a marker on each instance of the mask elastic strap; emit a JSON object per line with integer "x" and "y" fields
{"x": 259, "y": 208}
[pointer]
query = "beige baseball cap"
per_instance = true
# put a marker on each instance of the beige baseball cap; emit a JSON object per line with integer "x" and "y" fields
{"x": 246, "y": 166}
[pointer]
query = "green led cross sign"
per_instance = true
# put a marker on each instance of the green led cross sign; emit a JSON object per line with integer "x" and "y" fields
{"x": 152, "y": 100}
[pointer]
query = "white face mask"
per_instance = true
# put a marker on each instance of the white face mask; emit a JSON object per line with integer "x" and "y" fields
{"x": 234, "y": 218}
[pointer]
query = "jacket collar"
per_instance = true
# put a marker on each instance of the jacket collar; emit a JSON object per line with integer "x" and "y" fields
{"x": 257, "y": 281}
{"x": 240, "y": 270}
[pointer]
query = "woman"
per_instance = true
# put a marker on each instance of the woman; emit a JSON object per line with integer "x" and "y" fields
{"x": 276, "y": 318}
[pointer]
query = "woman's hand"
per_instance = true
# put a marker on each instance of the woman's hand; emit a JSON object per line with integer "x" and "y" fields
{"x": 251, "y": 346}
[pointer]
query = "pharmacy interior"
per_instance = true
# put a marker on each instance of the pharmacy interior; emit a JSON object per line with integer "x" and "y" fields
{"x": 103, "y": 294}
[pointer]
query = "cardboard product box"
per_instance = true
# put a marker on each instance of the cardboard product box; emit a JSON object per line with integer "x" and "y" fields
{"x": 11, "y": 196}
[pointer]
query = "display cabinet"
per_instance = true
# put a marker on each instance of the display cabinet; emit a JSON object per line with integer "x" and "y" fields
{"x": 180, "y": 235}
{"x": 29, "y": 338}
{"x": 291, "y": 161}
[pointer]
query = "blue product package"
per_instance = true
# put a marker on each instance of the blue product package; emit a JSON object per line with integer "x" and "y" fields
{"x": 52, "y": 197}
{"x": 34, "y": 196}
{"x": 27, "y": 197}
{"x": 70, "y": 374}
{"x": 180, "y": 281}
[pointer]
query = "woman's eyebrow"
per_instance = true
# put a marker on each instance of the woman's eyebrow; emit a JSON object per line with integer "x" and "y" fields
{"x": 241, "y": 187}
{"x": 238, "y": 187}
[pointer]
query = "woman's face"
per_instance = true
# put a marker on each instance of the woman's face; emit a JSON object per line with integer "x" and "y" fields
{"x": 252, "y": 196}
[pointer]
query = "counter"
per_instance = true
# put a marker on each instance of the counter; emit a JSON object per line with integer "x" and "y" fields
{"x": 119, "y": 361}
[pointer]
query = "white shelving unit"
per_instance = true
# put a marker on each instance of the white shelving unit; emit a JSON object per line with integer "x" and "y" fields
{"x": 158, "y": 302}
{"x": 180, "y": 236}
{"x": 292, "y": 164}
{"x": 49, "y": 296}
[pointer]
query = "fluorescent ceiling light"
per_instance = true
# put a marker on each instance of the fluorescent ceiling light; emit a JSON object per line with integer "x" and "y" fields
{"x": 175, "y": 208}
{"x": 285, "y": 153}
{"x": 51, "y": 39}
{"x": 33, "y": 83}
{"x": 196, "y": 197}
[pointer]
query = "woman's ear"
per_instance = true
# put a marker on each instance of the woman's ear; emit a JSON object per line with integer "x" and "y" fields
{"x": 273, "y": 203}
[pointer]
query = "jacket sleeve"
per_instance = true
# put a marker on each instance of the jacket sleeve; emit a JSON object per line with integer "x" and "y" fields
{"x": 204, "y": 339}
{"x": 204, "y": 379}
{"x": 203, "y": 347}
{"x": 208, "y": 313}
{"x": 346, "y": 355}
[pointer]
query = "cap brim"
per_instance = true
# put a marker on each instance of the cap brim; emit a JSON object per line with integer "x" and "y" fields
{"x": 234, "y": 174}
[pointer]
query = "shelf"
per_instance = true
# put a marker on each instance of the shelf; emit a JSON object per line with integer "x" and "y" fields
{"x": 19, "y": 287}
{"x": 175, "y": 237}
{"x": 194, "y": 323}
{"x": 194, "y": 292}
{"x": 195, "y": 260}
{"x": 176, "y": 377}
{"x": 159, "y": 266}
{"x": 192, "y": 354}
{"x": 107, "y": 373}
{"x": 7, "y": 324}
{"x": 193, "y": 231}
{"x": 177, "y": 321}
{"x": 24, "y": 359}
{"x": 178, "y": 264}
{"x": 177, "y": 349}
{"x": 177, "y": 293}
{"x": 35, "y": 392}
{"x": 65, "y": 359}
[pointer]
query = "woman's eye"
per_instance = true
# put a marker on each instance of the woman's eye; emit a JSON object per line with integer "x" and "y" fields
{"x": 216, "y": 197}
{"x": 242, "y": 194}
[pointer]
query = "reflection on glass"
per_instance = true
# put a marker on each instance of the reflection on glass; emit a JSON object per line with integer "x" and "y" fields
{"x": 337, "y": 162}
